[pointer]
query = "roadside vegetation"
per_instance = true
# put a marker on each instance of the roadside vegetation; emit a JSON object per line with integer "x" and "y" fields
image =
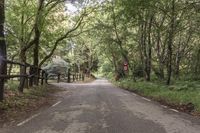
{"x": 182, "y": 95}
{"x": 17, "y": 106}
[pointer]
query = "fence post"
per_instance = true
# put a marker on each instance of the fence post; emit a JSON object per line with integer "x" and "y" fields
{"x": 43, "y": 76}
{"x": 68, "y": 76}
{"x": 79, "y": 76}
{"x": 35, "y": 72}
{"x": 73, "y": 77}
{"x": 23, "y": 78}
{"x": 31, "y": 76}
{"x": 46, "y": 78}
{"x": 2, "y": 81}
{"x": 58, "y": 78}
{"x": 38, "y": 76}
{"x": 26, "y": 79}
{"x": 83, "y": 78}
{"x": 76, "y": 76}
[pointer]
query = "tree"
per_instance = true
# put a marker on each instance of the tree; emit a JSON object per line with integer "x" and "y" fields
{"x": 170, "y": 42}
{"x": 32, "y": 21}
{"x": 3, "y": 67}
{"x": 155, "y": 36}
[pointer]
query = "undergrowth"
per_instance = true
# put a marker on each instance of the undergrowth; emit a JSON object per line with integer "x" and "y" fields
{"x": 180, "y": 93}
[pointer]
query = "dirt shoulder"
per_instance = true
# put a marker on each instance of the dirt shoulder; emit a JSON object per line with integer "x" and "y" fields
{"x": 17, "y": 107}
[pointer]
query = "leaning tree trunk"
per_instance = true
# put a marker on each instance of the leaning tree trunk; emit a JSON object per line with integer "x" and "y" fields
{"x": 3, "y": 66}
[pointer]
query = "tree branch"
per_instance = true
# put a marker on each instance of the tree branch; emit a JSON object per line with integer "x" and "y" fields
{"x": 75, "y": 27}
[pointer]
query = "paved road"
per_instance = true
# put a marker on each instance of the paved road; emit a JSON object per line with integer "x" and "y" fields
{"x": 100, "y": 107}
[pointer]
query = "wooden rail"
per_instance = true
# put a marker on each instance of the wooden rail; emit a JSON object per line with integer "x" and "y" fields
{"x": 39, "y": 74}
{"x": 34, "y": 76}
{"x": 71, "y": 77}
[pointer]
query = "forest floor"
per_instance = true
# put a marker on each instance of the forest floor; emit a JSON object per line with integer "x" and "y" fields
{"x": 182, "y": 95}
{"x": 18, "y": 106}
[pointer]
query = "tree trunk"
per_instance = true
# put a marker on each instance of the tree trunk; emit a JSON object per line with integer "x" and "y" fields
{"x": 170, "y": 44}
{"x": 22, "y": 56}
{"x": 144, "y": 44}
{"x": 22, "y": 71}
{"x": 197, "y": 64}
{"x": 121, "y": 71}
{"x": 177, "y": 62}
{"x": 58, "y": 80}
{"x": 11, "y": 65}
{"x": 37, "y": 41}
{"x": 31, "y": 72}
{"x": 3, "y": 66}
{"x": 141, "y": 46}
{"x": 160, "y": 71}
{"x": 177, "y": 69}
{"x": 36, "y": 54}
{"x": 149, "y": 57}
{"x": 69, "y": 76}
{"x": 35, "y": 62}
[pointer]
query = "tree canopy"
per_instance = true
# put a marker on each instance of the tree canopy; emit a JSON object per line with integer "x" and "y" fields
{"x": 158, "y": 39}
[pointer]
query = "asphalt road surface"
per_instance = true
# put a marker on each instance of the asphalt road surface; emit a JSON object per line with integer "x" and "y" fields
{"x": 100, "y": 107}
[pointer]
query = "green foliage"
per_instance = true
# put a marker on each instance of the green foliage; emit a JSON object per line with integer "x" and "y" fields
{"x": 178, "y": 94}
{"x": 138, "y": 71}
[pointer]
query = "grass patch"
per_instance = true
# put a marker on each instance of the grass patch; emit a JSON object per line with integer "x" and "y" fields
{"x": 180, "y": 94}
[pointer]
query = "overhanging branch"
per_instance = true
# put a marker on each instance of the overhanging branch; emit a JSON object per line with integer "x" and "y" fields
{"x": 75, "y": 27}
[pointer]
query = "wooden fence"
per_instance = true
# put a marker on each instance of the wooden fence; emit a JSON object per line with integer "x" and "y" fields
{"x": 71, "y": 77}
{"x": 34, "y": 76}
{"x": 30, "y": 75}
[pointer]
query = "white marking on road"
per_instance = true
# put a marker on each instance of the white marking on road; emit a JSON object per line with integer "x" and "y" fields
{"x": 125, "y": 94}
{"x": 134, "y": 94}
{"x": 164, "y": 106}
{"x": 146, "y": 99}
{"x": 56, "y": 104}
{"x": 174, "y": 110}
{"x": 27, "y": 120}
